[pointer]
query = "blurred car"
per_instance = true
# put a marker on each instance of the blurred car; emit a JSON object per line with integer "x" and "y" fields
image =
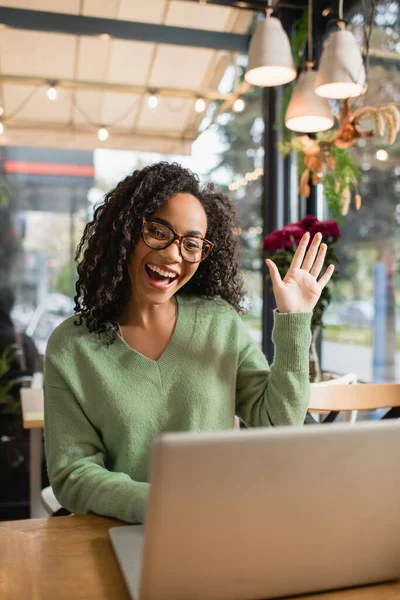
{"x": 253, "y": 305}
{"x": 357, "y": 313}
{"x": 21, "y": 315}
{"x": 47, "y": 316}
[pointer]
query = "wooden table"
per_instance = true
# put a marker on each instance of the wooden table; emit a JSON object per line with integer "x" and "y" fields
{"x": 32, "y": 402}
{"x": 66, "y": 558}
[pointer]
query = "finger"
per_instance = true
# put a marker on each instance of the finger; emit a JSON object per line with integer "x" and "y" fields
{"x": 300, "y": 252}
{"x": 326, "y": 277}
{"x": 312, "y": 252}
{"x": 319, "y": 263}
{"x": 274, "y": 273}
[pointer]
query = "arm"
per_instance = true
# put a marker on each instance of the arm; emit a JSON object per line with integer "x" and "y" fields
{"x": 75, "y": 457}
{"x": 278, "y": 395}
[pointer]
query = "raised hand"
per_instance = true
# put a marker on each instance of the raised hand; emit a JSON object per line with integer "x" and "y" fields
{"x": 300, "y": 289}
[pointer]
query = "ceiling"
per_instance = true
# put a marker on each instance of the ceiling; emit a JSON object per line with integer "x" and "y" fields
{"x": 102, "y": 80}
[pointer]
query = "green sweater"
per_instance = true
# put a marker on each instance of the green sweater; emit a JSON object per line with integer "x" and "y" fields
{"x": 105, "y": 404}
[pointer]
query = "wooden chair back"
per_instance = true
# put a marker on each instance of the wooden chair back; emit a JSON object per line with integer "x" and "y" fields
{"x": 365, "y": 396}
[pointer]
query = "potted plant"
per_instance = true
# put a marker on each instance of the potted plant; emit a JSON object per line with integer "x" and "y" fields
{"x": 10, "y": 406}
{"x": 14, "y": 443}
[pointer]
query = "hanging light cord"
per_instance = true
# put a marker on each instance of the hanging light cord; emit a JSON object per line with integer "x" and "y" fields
{"x": 21, "y": 106}
{"x": 367, "y": 35}
{"x": 124, "y": 115}
{"x": 82, "y": 112}
{"x": 310, "y": 24}
{"x": 174, "y": 107}
{"x": 116, "y": 121}
{"x": 341, "y": 10}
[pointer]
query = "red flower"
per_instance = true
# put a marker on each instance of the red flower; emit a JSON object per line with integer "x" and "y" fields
{"x": 308, "y": 222}
{"x": 282, "y": 239}
{"x": 329, "y": 229}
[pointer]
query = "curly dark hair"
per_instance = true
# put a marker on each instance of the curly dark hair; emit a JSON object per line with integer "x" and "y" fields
{"x": 108, "y": 240}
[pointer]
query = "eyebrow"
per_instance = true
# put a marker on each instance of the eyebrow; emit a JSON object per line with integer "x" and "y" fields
{"x": 168, "y": 224}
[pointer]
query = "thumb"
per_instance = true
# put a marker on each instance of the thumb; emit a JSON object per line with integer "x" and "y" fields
{"x": 274, "y": 273}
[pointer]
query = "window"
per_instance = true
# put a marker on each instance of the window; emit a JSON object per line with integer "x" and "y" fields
{"x": 362, "y": 333}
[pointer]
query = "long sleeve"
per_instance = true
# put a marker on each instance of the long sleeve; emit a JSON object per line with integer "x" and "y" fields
{"x": 76, "y": 459}
{"x": 276, "y": 395}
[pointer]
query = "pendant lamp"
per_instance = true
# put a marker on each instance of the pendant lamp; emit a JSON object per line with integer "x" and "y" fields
{"x": 341, "y": 72}
{"x": 270, "y": 56}
{"x": 307, "y": 112}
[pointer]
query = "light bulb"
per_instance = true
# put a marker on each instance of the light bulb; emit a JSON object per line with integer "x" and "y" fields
{"x": 1, "y": 110}
{"x": 152, "y": 101}
{"x": 239, "y": 105}
{"x": 1, "y": 128}
{"x": 382, "y": 154}
{"x": 52, "y": 93}
{"x": 102, "y": 134}
{"x": 200, "y": 105}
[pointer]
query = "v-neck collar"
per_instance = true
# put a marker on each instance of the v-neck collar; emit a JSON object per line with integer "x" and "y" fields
{"x": 176, "y": 347}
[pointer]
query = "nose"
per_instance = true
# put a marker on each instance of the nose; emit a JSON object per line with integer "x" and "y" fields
{"x": 173, "y": 252}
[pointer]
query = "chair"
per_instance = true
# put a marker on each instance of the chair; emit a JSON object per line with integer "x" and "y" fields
{"x": 330, "y": 379}
{"x": 32, "y": 396}
{"x": 365, "y": 396}
{"x": 51, "y": 504}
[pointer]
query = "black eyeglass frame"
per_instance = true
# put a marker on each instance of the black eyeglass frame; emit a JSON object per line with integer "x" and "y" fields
{"x": 180, "y": 239}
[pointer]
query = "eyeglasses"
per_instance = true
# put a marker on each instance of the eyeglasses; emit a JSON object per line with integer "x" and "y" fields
{"x": 157, "y": 235}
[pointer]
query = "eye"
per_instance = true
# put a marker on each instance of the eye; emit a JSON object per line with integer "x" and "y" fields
{"x": 193, "y": 244}
{"x": 158, "y": 232}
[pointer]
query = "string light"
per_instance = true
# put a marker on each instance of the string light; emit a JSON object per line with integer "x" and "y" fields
{"x": 239, "y": 105}
{"x": 102, "y": 134}
{"x": 152, "y": 101}
{"x": 1, "y": 128}
{"x": 52, "y": 93}
{"x": 200, "y": 105}
{"x": 382, "y": 154}
{"x": 243, "y": 181}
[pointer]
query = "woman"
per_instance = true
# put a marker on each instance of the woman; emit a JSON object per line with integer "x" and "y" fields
{"x": 159, "y": 345}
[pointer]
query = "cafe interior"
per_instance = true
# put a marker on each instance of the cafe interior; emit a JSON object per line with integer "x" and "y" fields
{"x": 291, "y": 108}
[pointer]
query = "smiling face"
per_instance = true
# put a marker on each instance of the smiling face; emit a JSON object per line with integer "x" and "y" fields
{"x": 148, "y": 269}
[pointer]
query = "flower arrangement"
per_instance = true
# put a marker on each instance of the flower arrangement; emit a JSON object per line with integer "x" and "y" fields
{"x": 281, "y": 244}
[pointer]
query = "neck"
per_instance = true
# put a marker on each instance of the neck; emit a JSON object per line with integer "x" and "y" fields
{"x": 146, "y": 314}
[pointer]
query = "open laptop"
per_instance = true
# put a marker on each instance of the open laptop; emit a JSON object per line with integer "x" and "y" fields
{"x": 267, "y": 513}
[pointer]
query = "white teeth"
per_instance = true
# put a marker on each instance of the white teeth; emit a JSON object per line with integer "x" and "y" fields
{"x": 162, "y": 272}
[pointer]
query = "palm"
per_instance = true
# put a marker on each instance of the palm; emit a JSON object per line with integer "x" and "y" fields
{"x": 300, "y": 289}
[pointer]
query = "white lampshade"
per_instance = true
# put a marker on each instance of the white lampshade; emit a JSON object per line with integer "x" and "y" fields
{"x": 341, "y": 72}
{"x": 307, "y": 112}
{"x": 270, "y": 56}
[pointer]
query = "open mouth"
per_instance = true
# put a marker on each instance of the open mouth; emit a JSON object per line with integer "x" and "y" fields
{"x": 160, "y": 276}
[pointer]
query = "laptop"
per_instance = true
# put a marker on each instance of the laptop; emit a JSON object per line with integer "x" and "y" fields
{"x": 267, "y": 513}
